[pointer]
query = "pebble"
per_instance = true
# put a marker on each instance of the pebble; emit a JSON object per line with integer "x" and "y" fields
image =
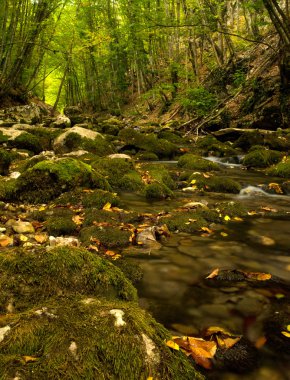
{"x": 21, "y": 227}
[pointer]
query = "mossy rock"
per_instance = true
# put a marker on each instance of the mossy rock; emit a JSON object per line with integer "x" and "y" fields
{"x": 7, "y": 189}
{"x": 147, "y": 156}
{"x": 48, "y": 179}
{"x": 149, "y": 143}
{"x": 110, "y": 237}
{"x": 215, "y": 184}
{"x": 262, "y": 158}
{"x": 78, "y": 340}
{"x": 114, "y": 169}
{"x": 5, "y": 160}
{"x": 3, "y": 138}
{"x": 157, "y": 190}
{"x": 189, "y": 222}
{"x": 99, "y": 198}
{"x": 193, "y": 162}
{"x": 209, "y": 145}
{"x": 172, "y": 137}
{"x": 131, "y": 181}
{"x": 45, "y": 136}
{"x": 102, "y": 216}
{"x": 282, "y": 169}
{"x": 99, "y": 146}
{"x": 29, "y": 278}
{"x": 27, "y": 141}
{"x": 232, "y": 209}
{"x": 160, "y": 174}
{"x": 60, "y": 225}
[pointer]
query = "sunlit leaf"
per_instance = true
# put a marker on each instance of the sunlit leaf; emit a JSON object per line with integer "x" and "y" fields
{"x": 286, "y": 333}
{"x": 216, "y": 329}
{"x": 29, "y": 359}
{"x": 270, "y": 209}
{"x": 224, "y": 234}
{"x": 237, "y": 219}
{"x": 258, "y": 276}
{"x": 276, "y": 187}
{"x": 78, "y": 220}
{"x": 93, "y": 248}
{"x": 107, "y": 206}
{"x": 193, "y": 182}
{"x": 173, "y": 345}
{"x": 227, "y": 218}
{"x": 206, "y": 229}
{"x": 251, "y": 213}
{"x": 41, "y": 238}
{"x": 260, "y": 342}
{"x": 214, "y": 273}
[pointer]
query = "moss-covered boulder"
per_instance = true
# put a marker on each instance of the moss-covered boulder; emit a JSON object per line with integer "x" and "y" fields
{"x": 261, "y": 158}
{"x": 78, "y": 138}
{"x": 84, "y": 340}
{"x": 109, "y": 237}
{"x": 282, "y": 169}
{"x": 157, "y": 190}
{"x": 149, "y": 143}
{"x": 26, "y": 141}
{"x": 189, "y": 222}
{"x": 29, "y": 278}
{"x": 48, "y": 179}
{"x": 60, "y": 225}
{"x": 214, "y": 184}
{"x": 210, "y": 146}
{"x": 5, "y": 160}
{"x": 193, "y": 162}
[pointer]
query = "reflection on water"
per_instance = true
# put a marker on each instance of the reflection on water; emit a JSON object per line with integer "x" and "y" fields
{"x": 174, "y": 287}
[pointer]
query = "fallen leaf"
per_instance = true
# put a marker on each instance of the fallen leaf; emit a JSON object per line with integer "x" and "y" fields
{"x": 172, "y": 344}
{"x": 110, "y": 253}
{"x": 216, "y": 329}
{"x": 260, "y": 342}
{"x": 229, "y": 342}
{"x": 107, "y": 206}
{"x": 227, "y": 218}
{"x": 41, "y": 238}
{"x": 288, "y": 327}
{"x": 237, "y": 219}
{"x": 206, "y": 175}
{"x": 258, "y": 276}
{"x": 251, "y": 213}
{"x": 193, "y": 182}
{"x": 224, "y": 234}
{"x": 270, "y": 209}
{"x": 23, "y": 238}
{"x": 78, "y": 219}
{"x": 285, "y": 333}
{"x": 276, "y": 187}
{"x": 214, "y": 273}
{"x": 93, "y": 248}
{"x": 206, "y": 229}
{"x": 29, "y": 359}
{"x": 5, "y": 241}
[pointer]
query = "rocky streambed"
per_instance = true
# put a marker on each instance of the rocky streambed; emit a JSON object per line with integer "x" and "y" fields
{"x": 92, "y": 208}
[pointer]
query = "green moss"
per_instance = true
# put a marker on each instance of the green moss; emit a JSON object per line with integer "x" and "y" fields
{"x": 48, "y": 179}
{"x": 99, "y": 146}
{"x": 114, "y": 170}
{"x": 189, "y": 222}
{"x": 3, "y": 138}
{"x": 262, "y": 158}
{"x": 99, "y": 198}
{"x": 101, "y": 216}
{"x": 30, "y": 278}
{"x": 160, "y": 174}
{"x": 232, "y": 209}
{"x": 58, "y": 226}
{"x": 149, "y": 143}
{"x": 147, "y": 156}
{"x": 5, "y": 160}
{"x": 27, "y": 141}
{"x": 131, "y": 181}
{"x": 215, "y": 184}
{"x": 190, "y": 161}
{"x": 157, "y": 190}
{"x": 172, "y": 137}
{"x": 209, "y": 145}
{"x": 282, "y": 169}
{"x": 110, "y": 237}
{"x": 7, "y": 189}
{"x": 46, "y": 136}
{"x": 103, "y": 351}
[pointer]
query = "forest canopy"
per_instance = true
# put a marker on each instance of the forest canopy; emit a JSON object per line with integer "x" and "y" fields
{"x": 101, "y": 53}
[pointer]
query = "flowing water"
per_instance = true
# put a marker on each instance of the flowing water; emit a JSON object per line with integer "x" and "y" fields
{"x": 174, "y": 288}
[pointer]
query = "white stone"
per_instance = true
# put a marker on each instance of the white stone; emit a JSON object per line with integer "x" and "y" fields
{"x": 118, "y": 314}
{"x": 120, "y": 155}
{"x": 60, "y": 241}
{"x": 21, "y": 227}
{"x": 3, "y": 332}
{"x": 15, "y": 175}
{"x": 152, "y": 356}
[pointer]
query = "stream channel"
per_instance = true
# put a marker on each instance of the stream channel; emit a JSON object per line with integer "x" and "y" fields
{"x": 174, "y": 289}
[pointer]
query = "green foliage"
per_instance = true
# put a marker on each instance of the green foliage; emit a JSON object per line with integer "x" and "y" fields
{"x": 199, "y": 100}
{"x": 282, "y": 169}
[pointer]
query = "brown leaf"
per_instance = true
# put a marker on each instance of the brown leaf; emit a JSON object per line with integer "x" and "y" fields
{"x": 78, "y": 219}
{"x": 260, "y": 342}
{"x": 93, "y": 248}
{"x": 276, "y": 187}
{"x": 228, "y": 342}
{"x": 5, "y": 241}
{"x": 206, "y": 229}
{"x": 215, "y": 329}
{"x": 214, "y": 273}
{"x": 258, "y": 276}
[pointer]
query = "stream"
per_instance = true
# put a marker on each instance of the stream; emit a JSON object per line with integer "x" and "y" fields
{"x": 174, "y": 288}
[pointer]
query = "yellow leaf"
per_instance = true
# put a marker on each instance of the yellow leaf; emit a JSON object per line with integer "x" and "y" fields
{"x": 110, "y": 253}
{"x": 78, "y": 220}
{"x": 107, "y": 206}
{"x": 288, "y": 327}
{"x": 216, "y": 330}
{"x": 193, "y": 182}
{"x": 29, "y": 359}
{"x": 279, "y": 296}
{"x": 150, "y": 378}
{"x": 237, "y": 219}
{"x": 230, "y": 342}
{"x": 226, "y": 218}
{"x": 116, "y": 257}
{"x": 23, "y": 238}
{"x": 93, "y": 248}
{"x": 224, "y": 234}
{"x": 41, "y": 238}
{"x": 206, "y": 175}
{"x": 172, "y": 345}
{"x": 285, "y": 333}
{"x": 252, "y": 213}
{"x": 258, "y": 276}
{"x": 206, "y": 229}
{"x": 276, "y": 187}
{"x": 214, "y": 273}
{"x": 42, "y": 208}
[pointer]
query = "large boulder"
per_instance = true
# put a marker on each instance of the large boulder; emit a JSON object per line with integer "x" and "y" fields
{"x": 75, "y": 138}
{"x": 28, "y": 114}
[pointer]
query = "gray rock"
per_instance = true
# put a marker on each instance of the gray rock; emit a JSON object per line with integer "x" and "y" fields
{"x": 120, "y": 155}
{"x": 21, "y": 227}
{"x": 61, "y": 121}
